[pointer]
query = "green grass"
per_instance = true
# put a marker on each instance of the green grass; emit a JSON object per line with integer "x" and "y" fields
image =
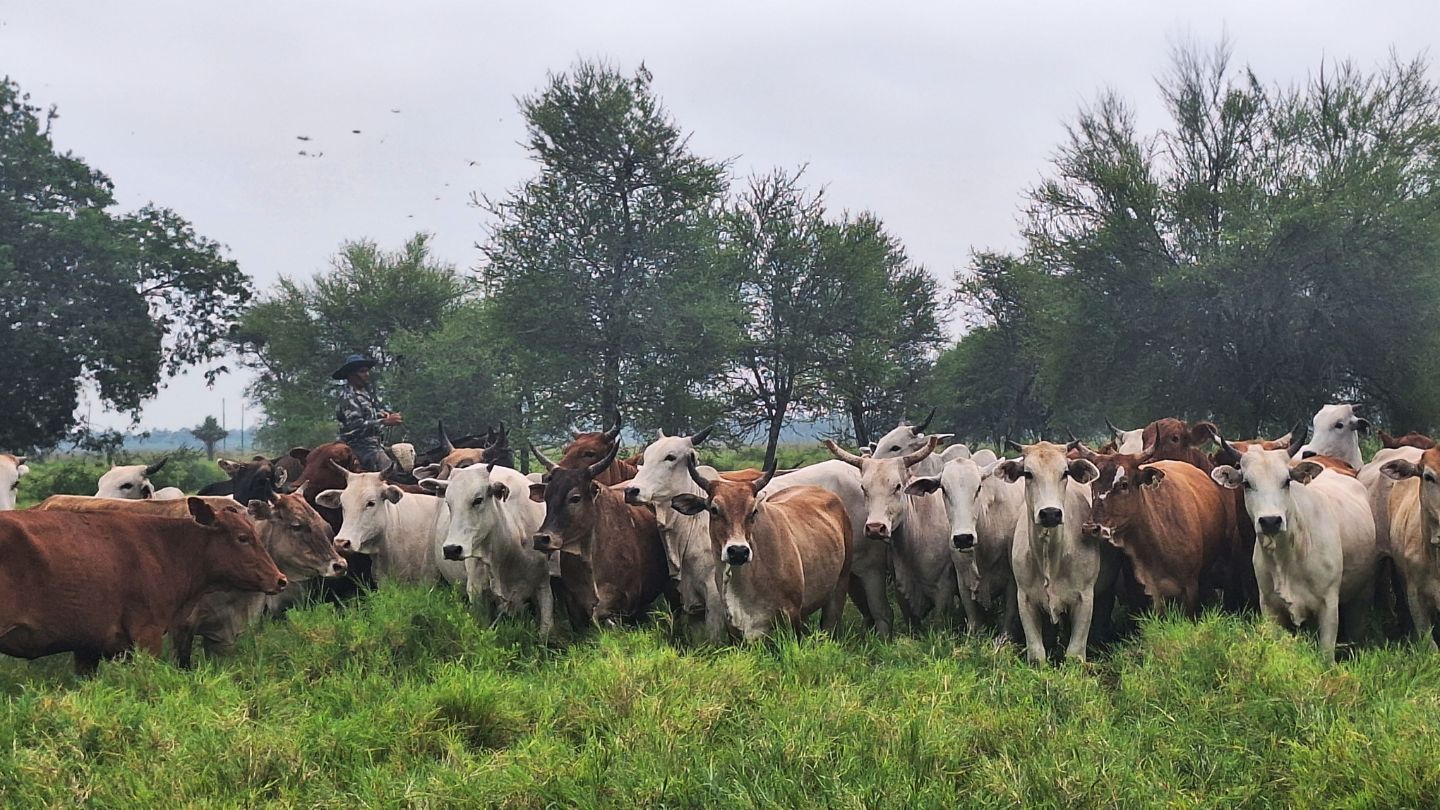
{"x": 406, "y": 701}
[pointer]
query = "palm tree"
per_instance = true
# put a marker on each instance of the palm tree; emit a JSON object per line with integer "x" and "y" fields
{"x": 211, "y": 434}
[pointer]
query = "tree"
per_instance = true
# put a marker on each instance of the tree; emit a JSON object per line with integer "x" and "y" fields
{"x": 889, "y": 326}
{"x": 776, "y": 243}
{"x": 370, "y": 301}
{"x": 210, "y": 434}
{"x": 120, "y": 300}
{"x": 599, "y": 268}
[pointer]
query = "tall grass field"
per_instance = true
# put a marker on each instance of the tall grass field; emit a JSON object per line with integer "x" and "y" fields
{"x": 404, "y": 699}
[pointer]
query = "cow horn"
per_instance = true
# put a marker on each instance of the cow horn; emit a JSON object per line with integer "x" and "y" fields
{"x": 923, "y": 426}
{"x": 693, "y": 465}
{"x": 155, "y": 468}
{"x": 342, "y": 469}
{"x": 923, "y": 453}
{"x": 1227, "y": 453}
{"x": 599, "y": 467}
{"x": 291, "y": 489}
{"x": 445, "y": 443}
{"x": 1014, "y": 445}
{"x": 764, "y": 480}
{"x": 1114, "y": 430}
{"x": 544, "y": 462}
{"x": 613, "y": 433}
{"x": 1297, "y": 434}
{"x": 1083, "y": 449}
{"x": 1294, "y": 448}
{"x": 842, "y": 454}
{"x": 699, "y": 438}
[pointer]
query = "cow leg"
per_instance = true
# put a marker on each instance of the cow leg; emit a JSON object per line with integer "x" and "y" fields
{"x": 182, "y": 639}
{"x": 831, "y": 612}
{"x": 857, "y": 595}
{"x": 1034, "y": 633}
{"x": 1354, "y": 616}
{"x": 1404, "y": 610}
{"x": 1080, "y": 617}
{"x": 974, "y": 619}
{"x": 86, "y": 663}
{"x": 1420, "y": 615}
{"x": 1010, "y": 624}
{"x": 879, "y": 602}
{"x": 546, "y": 601}
{"x": 1329, "y": 626}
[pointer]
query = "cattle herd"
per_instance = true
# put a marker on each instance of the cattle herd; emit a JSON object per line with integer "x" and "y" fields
{"x": 1045, "y": 548}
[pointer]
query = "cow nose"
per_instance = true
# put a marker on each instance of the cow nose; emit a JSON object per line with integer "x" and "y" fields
{"x": 737, "y": 555}
{"x": 343, "y": 545}
{"x": 338, "y": 567}
{"x": 1271, "y": 524}
{"x": 541, "y": 542}
{"x": 1050, "y": 517}
{"x": 632, "y": 495}
{"x": 879, "y": 531}
{"x": 281, "y": 582}
{"x": 963, "y": 542}
{"x": 451, "y": 552}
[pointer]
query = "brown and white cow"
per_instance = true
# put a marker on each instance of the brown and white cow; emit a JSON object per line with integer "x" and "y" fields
{"x": 1315, "y": 550}
{"x": 783, "y": 556}
{"x": 99, "y": 584}
{"x": 1059, "y": 573}
{"x": 1414, "y": 519}
{"x": 1174, "y": 524}
{"x": 291, "y": 531}
{"x": 612, "y": 560}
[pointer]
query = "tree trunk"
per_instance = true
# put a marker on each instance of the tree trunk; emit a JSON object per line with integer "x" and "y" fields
{"x": 857, "y": 423}
{"x": 777, "y": 421}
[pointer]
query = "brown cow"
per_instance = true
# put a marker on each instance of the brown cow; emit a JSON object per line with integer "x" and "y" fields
{"x": 100, "y": 584}
{"x": 588, "y": 448}
{"x": 612, "y": 560}
{"x": 785, "y": 556}
{"x": 1169, "y": 518}
{"x": 321, "y": 473}
{"x": 1413, "y": 515}
{"x": 1176, "y": 440}
{"x": 297, "y": 539}
{"x": 1411, "y": 439}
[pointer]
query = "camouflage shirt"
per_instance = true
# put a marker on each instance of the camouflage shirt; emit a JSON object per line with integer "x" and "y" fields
{"x": 358, "y": 413}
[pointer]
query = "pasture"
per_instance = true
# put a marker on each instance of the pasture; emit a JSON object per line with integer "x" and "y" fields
{"x": 404, "y": 700}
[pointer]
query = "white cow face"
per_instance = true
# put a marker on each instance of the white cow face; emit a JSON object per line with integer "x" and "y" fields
{"x": 904, "y": 440}
{"x": 883, "y": 483}
{"x": 1130, "y": 442}
{"x": 131, "y": 482}
{"x": 473, "y": 501}
{"x": 966, "y": 497}
{"x": 11, "y": 469}
{"x": 1336, "y": 432}
{"x": 362, "y": 503}
{"x": 1267, "y": 478}
{"x": 1044, "y": 469}
{"x": 663, "y": 472}
{"x": 1428, "y": 471}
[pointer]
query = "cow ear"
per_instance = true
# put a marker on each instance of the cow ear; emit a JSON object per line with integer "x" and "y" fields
{"x": 687, "y": 504}
{"x": 594, "y": 490}
{"x": 1399, "y": 470}
{"x": 1151, "y": 477}
{"x": 21, "y": 470}
{"x": 230, "y": 467}
{"x": 1227, "y": 476}
{"x": 1305, "y": 472}
{"x": 1083, "y": 472}
{"x": 428, "y": 471}
{"x": 201, "y": 511}
{"x": 330, "y": 498}
{"x": 537, "y": 493}
{"x": 433, "y": 485}
{"x": 1011, "y": 470}
{"x": 1363, "y": 426}
{"x": 500, "y": 491}
{"x": 1203, "y": 433}
{"x": 260, "y": 510}
{"x": 923, "y": 485}
{"x": 300, "y": 453}
{"x": 393, "y": 494}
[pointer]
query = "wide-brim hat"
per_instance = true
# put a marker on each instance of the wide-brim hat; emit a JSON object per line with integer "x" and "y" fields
{"x": 353, "y": 363}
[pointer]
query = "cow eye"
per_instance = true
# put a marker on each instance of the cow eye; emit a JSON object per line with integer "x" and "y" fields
{"x": 589, "y": 453}
{"x": 297, "y": 526}
{"x": 1246, "y": 484}
{"x": 369, "y": 504}
{"x": 670, "y": 457}
{"x": 1285, "y": 483}
{"x": 895, "y": 449}
{"x": 1339, "y": 425}
{"x": 575, "y": 498}
{"x": 127, "y": 486}
{"x": 1429, "y": 476}
{"x": 479, "y": 499}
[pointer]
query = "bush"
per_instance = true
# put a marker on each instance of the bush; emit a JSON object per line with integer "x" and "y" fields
{"x": 186, "y": 469}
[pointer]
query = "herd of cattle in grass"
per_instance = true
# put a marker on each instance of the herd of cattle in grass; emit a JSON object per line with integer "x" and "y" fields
{"x": 1043, "y": 548}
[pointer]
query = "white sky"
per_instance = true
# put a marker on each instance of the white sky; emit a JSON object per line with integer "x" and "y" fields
{"x": 934, "y": 115}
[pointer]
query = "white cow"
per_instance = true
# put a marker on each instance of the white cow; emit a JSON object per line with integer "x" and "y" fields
{"x": 663, "y": 475}
{"x": 954, "y": 452}
{"x": 400, "y": 532}
{"x": 1129, "y": 442}
{"x": 492, "y": 523}
{"x": 1058, "y": 572}
{"x": 915, "y": 526}
{"x": 869, "y": 558}
{"x": 1315, "y": 543}
{"x": 132, "y": 483}
{"x": 906, "y": 439}
{"x": 984, "y": 508}
{"x": 1414, "y": 519}
{"x": 1336, "y": 432}
{"x": 11, "y": 469}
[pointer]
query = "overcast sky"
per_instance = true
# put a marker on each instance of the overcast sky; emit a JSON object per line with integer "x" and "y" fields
{"x": 934, "y": 115}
